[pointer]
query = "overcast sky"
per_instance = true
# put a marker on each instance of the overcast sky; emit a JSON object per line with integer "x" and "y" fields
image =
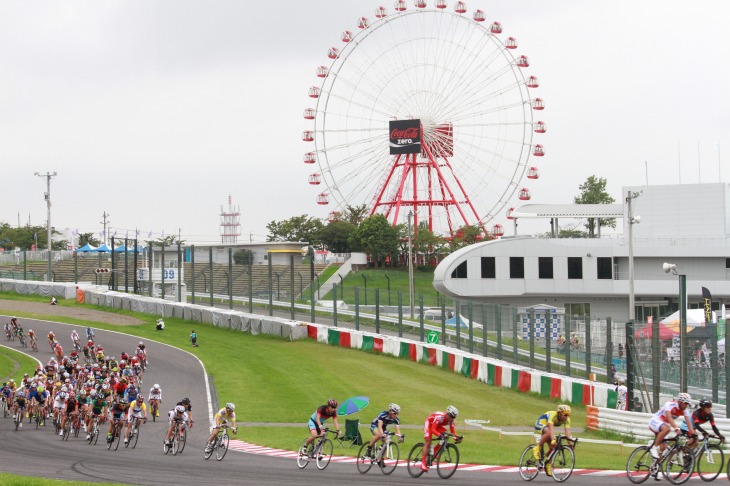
{"x": 155, "y": 111}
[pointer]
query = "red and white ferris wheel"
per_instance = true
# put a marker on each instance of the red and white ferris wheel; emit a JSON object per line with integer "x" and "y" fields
{"x": 456, "y": 77}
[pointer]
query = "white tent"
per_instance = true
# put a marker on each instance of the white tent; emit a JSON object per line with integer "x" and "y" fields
{"x": 695, "y": 317}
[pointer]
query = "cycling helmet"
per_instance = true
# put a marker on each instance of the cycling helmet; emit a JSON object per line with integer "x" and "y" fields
{"x": 157, "y": 387}
{"x": 105, "y": 386}
{"x": 82, "y": 392}
{"x": 64, "y": 388}
{"x": 41, "y": 389}
{"x": 394, "y": 407}
{"x": 140, "y": 398}
{"x": 92, "y": 394}
{"x": 452, "y": 411}
{"x": 705, "y": 403}
{"x": 180, "y": 409}
{"x": 13, "y": 380}
{"x": 63, "y": 396}
{"x": 684, "y": 398}
{"x": 33, "y": 385}
{"x": 186, "y": 401}
{"x": 123, "y": 401}
{"x": 20, "y": 393}
{"x": 230, "y": 406}
{"x": 564, "y": 409}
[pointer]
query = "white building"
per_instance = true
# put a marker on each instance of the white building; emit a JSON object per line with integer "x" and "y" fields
{"x": 688, "y": 225}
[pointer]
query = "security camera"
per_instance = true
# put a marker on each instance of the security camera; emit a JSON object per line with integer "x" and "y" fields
{"x": 669, "y": 267}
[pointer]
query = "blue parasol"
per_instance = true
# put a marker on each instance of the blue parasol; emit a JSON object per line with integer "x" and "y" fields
{"x": 353, "y": 405}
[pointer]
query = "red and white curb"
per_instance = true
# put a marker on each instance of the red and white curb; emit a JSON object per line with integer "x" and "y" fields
{"x": 241, "y": 446}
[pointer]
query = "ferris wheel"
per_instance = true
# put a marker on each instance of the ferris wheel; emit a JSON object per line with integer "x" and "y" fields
{"x": 424, "y": 111}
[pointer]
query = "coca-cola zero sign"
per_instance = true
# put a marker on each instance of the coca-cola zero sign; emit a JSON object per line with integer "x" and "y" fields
{"x": 405, "y": 136}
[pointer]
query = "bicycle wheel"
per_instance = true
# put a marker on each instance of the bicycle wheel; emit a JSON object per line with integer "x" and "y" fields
{"x": 220, "y": 451}
{"x": 117, "y": 438}
{"x": 207, "y": 452}
{"x": 529, "y": 467}
{"x": 679, "y": 465}
{"x": 447, "y": 460}
{"x": 303, "y": 455}
{"x": 66, "y": 430}
{"x": 414, "y": 460}
{"x": 183, "y": 440}
{"x": 710, "y": 462}
{"x": 175, "y": 442}
{"x": 562, "y": 462}
{"x": 638, "y": 467}
{"x": 324, "y": 453}
{"x": 135, "y": 436}
{"x": 364, "y": 462}
{"x": 389, "y": 457}
{"x": 18, "y": 419}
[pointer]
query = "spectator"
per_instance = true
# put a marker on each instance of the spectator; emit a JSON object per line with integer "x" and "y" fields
{"x": 620, "y": 350}
{"x": 54, "y": 301}
{"x": 194, "y": 338}
{"x": 160, "y": 325}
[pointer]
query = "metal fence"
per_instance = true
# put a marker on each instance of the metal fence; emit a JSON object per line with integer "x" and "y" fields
{"x": 538, "y": 337}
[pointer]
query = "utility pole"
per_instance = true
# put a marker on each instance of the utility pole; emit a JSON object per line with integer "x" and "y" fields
{"x": 48, "y": 176}
{"x": 104, "y": 222}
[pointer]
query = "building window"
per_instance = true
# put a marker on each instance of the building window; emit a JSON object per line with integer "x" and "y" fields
{"x": 575, "y": 267}
{"x": 488, "y": 268}
{"x": 727, "y": 263}
{"x": 516, "y": 267}
{"x": 577, "y": 311}
{"x": 545, "y": 267}
{"x": 604, "y": 267}
{"x": 460, "y": 271}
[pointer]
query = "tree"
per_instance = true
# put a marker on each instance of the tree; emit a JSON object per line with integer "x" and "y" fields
{"x": 465, "y": 236}
{"x": 89, "y": 238}
{"x": 297, "y": 228}
{"x": 23, "y": 237}
{"x": 356, "y": 214}
{"x": 593, "y": 191}
{"x": 428, "y": 243}
{"x": 377, "y": 237}
{"x": 336, "y": 236}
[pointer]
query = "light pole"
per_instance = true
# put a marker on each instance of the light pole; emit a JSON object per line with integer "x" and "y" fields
{"x": 672, "y": 267}
{"x": 410, "y": 265}
{"x": 48, "y": 176}
{"x": 632, "y": 221}
{"x": 630, "y": 349}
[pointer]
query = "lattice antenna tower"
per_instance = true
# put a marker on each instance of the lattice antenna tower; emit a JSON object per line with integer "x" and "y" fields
{"x": 230, "y": 222}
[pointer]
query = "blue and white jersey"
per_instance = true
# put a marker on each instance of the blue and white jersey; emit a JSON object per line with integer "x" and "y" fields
{"x": 386, "y": 418}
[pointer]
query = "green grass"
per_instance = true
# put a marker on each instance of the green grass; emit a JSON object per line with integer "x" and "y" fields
{"x": 273, "y": 380}
{"x": 14, "y": 480}
{"x": 378, "y": 279}
{"x": 13, "y": 363}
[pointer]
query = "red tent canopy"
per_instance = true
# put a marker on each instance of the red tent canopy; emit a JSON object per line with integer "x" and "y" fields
{"x": 665, "y": 333}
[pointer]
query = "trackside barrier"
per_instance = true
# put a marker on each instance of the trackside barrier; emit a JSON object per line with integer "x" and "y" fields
{"x": 98, "y": 295}
{"x": 633, "y": 424}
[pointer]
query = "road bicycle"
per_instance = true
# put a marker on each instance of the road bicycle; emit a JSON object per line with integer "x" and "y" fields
{"x": 9, "y": 335}
{"x": 94, "y": 434}
{"x": 709, "y": 458}
{"x": 559, "y": 462}
{"x": 133, "y": 435}
{"x": 116, "y": 434}
{"x": 319, "y": 449}
{"x": 445, "y": 455}
{"x": 18, "y": 417}
{"x": 676, "y": 463}
{"x": 386, "y": 455}
{"x": 34, "y": 344}
{"x": 4, "y": 406}
{"x": 154, "y": 408}
{"x": 179, "y": 438}
{"x": 23, "y": 342}
{"x": 219, "y": 446}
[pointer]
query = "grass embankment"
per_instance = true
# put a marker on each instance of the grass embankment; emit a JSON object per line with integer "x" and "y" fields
{"x": 13, "y": 363}
{"x": 378, "y": 279}
{"x": 272, "y": 380}
{"x": 14, "y": 480}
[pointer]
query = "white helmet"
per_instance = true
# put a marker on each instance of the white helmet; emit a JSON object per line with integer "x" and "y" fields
{"x": 394, "y": 407}
{"x": 156, "y": 386}
{"x": 684, "y": 398}
{"x": 230, "y": 406}
{"x": 180, "y": 409}
{"x": 452, "y": 411}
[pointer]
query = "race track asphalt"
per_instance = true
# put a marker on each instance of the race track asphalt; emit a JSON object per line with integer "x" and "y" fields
{"x": 33, "y": 452}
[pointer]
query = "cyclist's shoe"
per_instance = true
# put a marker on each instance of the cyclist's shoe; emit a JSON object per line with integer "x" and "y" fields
{"x": 549, "y": 469}
{"x": 126, "y": 440}
{"x": 536, "y": 453}
{"x": 157, "y": 413}
{"x": 654, "y": 452}
{"x": 208, "y": 449}
{"x": 88, "y": 436}
{"x": 20, "y": 424}
{"x": 109, "y": 438}
{"x": 60, "y": 433}
{"x": 369, "y": 452}
{"x": 423, "y": 467}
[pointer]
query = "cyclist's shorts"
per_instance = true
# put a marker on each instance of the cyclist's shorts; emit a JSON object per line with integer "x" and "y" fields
{"x": 96, "y": 412}
{"x": 312, "y": 425}
{"x": 655, "y": 424}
